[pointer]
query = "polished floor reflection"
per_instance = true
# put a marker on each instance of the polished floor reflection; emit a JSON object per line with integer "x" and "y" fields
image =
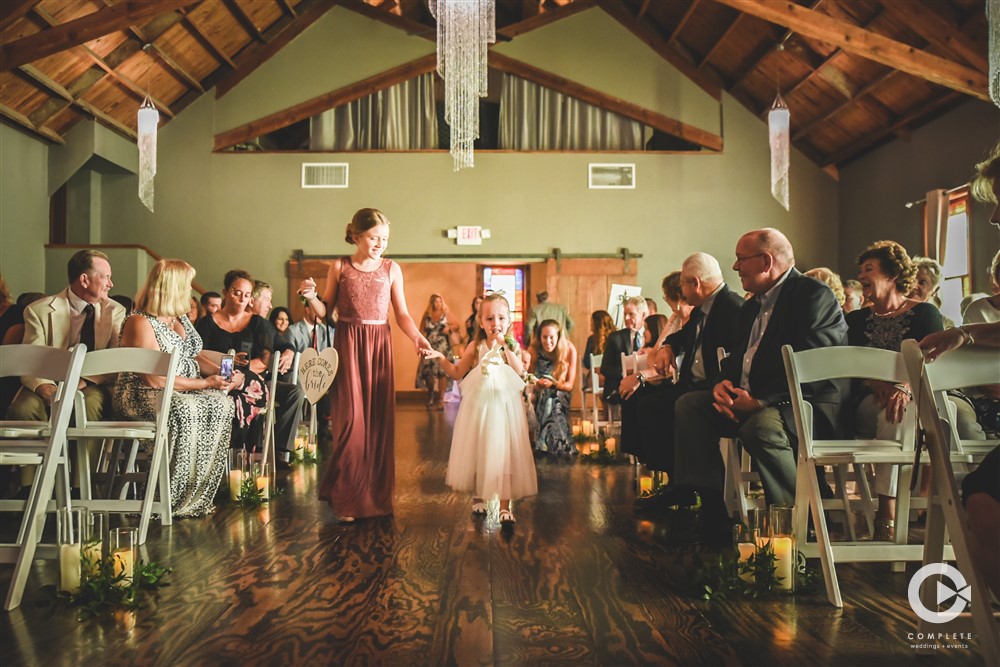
{"x": 581, "y": 580}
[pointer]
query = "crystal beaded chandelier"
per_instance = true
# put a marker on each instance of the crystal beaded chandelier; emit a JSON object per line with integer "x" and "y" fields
{"x": 464, "y": 28}
{"x": 993, "y": 16}
{"x": 148, "y": 119}
{"x": 778, "y": 120}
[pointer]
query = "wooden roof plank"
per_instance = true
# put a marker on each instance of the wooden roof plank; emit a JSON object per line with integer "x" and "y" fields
{"x": 684, "y": 19}
{"x": 106, "y": 119}
{"x": 411, "y": 27}
{"x": 851, "y": 151}
{"x": 922, "y": 20}
{"x": 207, "y": 41}
{"x": 718, "y": 42}
{"x": 175, "y": 68}
{"x": 25, "y": 122}
{"x": 604, "y": 101}
{"x": 867, "y": 44}
{"x": 313, "y": 11}
{"x": 317, "y": 105}
{"x": 872, "y": 85}
{"x": 82, "y": 30}
{"x": 37, "y": 76}
{"x": 539, "y": 19}
{"x": 655, "y": 41}
{"x": 137, "y": 90}
{"x": 12, "y": 10}
{"x": 245, "y": 21}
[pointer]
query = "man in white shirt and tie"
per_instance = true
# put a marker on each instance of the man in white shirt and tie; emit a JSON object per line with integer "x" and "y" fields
{"x": 81, "y": 313}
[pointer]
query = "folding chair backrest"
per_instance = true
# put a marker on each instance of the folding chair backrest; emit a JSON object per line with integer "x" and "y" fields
{"x": 295, "y": 367}
{"x": 835, "y": 363}
{"x": 63, "y": 367}
{"x": 595, "y": 375}
{"x": 135, "y": 360}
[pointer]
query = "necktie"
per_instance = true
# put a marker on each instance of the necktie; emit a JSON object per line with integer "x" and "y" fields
{"x": 637, "y": 343}
{"x": 315, "y": 334}
{"x": 87, "y": 332}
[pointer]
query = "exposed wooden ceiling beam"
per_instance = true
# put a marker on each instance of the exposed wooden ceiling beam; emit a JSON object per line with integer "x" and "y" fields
{"x": 655, "y": 41}
{"x": 936, "y": 30}
{"x": 311, "y": 11}
{"x": 217, "y": 51}
{"x": 604, "y": 101}
{"x": 82, "y": 30}
{"x": 764, "y": 53}
{"x": 176, "y": 68}
{"x": 24, "y": 122}
{"x": 684, "y": 19}
{"x": 718, "y": 42}
{"x": 853, "y": 150}
{"x": 138, "y": 91}
{"x": 872, "y": 85}
{"x": 642, "y": 10}
{"x": 38, "y": 77}
{"x": 411, "y": 27}
{"x": 318, "y": 105}
{"x": 867, "y": 44}
{"x": 287, "y": 8}
{"x": 244, "y": 20}
{"x": 12, "y": 10}
{"x": 106, "y": 119}
{"x": 537, "y": 20}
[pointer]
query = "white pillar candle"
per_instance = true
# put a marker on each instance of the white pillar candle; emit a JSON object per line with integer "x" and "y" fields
{"x": 69, "y": 567}
{"x": 235, "y": 484}
{"x": 784, "y": 562}
{"x": 611, "y": 444}
{"x": 124, "y": 563}
{"x": 264, "y": 486}
{"x": 646, "y": 484}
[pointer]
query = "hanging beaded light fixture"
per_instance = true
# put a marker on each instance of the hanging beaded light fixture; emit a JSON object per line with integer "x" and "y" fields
{"x": 464, "y": 29}
{"x": 147, "y": 123}
{"x": 778, "y": 131}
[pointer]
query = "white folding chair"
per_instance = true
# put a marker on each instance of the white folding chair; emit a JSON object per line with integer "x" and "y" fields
{"x": 596, "y": 394}
{"x": 945, "y": 513}
{"x": 841, "y": 362}
{"x": 43, "y": 445}
{"x": 156, "y": 499}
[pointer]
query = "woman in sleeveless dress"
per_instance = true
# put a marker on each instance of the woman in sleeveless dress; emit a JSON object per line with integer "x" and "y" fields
{"x": 437, "y": 326}
{"x": 201, "y": 414}
{"x": 360, "y": 476}
{"x": 553, "y": 362}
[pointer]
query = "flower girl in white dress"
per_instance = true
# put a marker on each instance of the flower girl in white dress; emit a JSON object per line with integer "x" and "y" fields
{"x": 490, "y": 448}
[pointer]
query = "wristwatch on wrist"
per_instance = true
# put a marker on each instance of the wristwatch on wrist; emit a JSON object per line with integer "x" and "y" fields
{"x": 642, "y": 379}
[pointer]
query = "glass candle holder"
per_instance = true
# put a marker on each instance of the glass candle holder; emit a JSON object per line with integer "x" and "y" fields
{"x": 759, "y": 525}
{"x": 237, "y": 471}
{"x": 122, "y": 550}
{"x": 70, "y": 526}
{"x": 644, "y": 481}
{"x": 782, "y": 532}
{"x": 744, "y": 543}
{"x": 95, "y": 537}
{"x": 262, "y": 475}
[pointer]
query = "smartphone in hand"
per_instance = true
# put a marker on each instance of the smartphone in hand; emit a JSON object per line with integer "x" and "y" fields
{"x": 226, "y": 367}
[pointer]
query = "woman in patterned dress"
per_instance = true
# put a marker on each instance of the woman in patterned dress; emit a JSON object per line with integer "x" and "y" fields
{"x": 201, "y": 412}
{"x": 553, "y": 362}
{"x": 359, "y": 479}
{"x": 887, "y": 275}
{"x": 437, "y": 327}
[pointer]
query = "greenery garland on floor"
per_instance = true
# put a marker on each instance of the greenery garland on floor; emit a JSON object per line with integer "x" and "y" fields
{"x": 104, "y": 591}
{"x": 725, "y": 576}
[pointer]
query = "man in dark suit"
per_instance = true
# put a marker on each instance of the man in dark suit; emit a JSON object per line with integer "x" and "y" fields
{"x": 752, "y": 400}
{"x": 624, "y": 341}
{"x": 648, "y": 411}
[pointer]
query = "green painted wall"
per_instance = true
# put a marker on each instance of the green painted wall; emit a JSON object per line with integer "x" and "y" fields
{"x": 24, "y": 210}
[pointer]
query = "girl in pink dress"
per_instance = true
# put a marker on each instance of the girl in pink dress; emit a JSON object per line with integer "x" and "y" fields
{"x": 360, "y": 476}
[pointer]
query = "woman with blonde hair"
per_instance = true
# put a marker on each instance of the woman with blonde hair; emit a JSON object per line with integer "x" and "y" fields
{"x": 553, "y": 362}
{"x": 437, "y": 326}
{"x": 201, "y": 412}
{"x": 831, "y": 280}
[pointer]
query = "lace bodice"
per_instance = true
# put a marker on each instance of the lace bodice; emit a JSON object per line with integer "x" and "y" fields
{"x": 364, "y": 295}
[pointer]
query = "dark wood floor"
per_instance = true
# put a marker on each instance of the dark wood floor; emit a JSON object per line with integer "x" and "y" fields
{"x": 580, "y": 581}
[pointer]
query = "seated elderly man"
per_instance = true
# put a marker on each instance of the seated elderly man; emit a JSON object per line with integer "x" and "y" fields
{"x": 648, "y": 410}
{"x": 624, "y": 341}
{"x": 752, "y": 400}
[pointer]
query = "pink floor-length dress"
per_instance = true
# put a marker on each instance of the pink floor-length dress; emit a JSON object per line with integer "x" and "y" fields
{"x": 360, "y": 477}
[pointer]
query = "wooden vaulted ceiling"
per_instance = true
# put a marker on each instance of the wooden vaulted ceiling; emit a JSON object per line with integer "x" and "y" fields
{"x": 854, "y": 73}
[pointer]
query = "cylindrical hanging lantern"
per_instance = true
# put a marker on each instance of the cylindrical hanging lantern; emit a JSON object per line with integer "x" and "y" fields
{"x": 778, "y": 123}
{"x": 149, "y": 118}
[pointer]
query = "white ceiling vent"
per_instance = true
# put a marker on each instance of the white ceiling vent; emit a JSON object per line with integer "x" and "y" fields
{"x": 324, "y": 174}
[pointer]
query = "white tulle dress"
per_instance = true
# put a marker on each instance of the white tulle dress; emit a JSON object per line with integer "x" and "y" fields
{"x": 490, "y": 449}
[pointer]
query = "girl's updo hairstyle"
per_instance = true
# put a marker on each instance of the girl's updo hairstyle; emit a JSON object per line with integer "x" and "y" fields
{"x": 364, "y": 220}
{"x": 895, "y": 263}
